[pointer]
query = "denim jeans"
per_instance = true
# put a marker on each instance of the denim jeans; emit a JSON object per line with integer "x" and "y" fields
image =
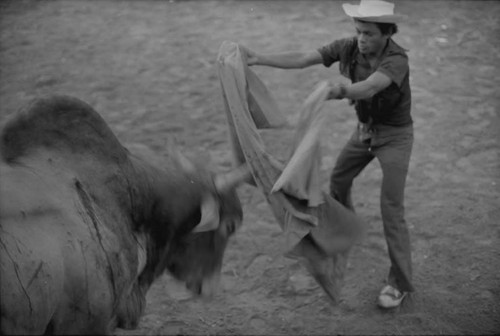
{"x": 392, "y": 146}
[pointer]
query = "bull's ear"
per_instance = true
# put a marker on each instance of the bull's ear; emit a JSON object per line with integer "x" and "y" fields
{"x": 209, "y": 215}
{"x": 232, "y": 179}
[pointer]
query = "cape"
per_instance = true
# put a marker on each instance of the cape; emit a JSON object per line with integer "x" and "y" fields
{"x": 293, "y": 190}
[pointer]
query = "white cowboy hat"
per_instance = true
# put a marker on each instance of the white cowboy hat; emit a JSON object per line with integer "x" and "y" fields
{"x": 373, "y": 11}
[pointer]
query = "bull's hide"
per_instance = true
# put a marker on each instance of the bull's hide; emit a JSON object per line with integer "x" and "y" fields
{"x": 71, "y": 200}
{"x": 62, "y": 167}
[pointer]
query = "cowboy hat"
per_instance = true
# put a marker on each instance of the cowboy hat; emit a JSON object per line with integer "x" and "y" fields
{"x": 373, "y": 11}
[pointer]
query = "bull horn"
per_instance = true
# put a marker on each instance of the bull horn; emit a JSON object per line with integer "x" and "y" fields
{"x": 209, "y": 215}
{"x": 184, "y": 162}
{"x": 233, "y": 178}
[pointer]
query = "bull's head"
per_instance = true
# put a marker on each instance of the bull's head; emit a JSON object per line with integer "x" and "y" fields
{"x": 196, "y": 258}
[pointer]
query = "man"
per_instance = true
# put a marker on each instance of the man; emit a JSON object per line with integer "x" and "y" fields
{"x": 380, "y": 91}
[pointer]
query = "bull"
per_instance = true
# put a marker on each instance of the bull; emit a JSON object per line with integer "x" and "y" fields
{"x": 87, "y": 226}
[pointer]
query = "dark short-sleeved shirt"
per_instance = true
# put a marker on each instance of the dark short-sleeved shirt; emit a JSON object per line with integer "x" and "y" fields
{"x": 392, "y": 105}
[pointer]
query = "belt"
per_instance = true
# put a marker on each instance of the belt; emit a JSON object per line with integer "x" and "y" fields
{"x": 377, "y": 128}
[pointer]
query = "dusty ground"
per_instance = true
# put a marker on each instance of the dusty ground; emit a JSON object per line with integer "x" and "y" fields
{"x": 149, "y": 69}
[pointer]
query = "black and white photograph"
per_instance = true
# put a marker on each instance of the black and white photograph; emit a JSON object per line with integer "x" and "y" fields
{"x": 249, "y": 167}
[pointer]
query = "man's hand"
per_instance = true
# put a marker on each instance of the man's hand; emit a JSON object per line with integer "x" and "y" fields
{"x": 337, "y": 91}
{"x": 334, "y": 92}
{"x": 251, "y": 56}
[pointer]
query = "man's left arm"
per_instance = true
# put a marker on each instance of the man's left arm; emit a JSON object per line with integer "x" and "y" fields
{"x": 392, "y": 69}
{"x": 375, "y": 83}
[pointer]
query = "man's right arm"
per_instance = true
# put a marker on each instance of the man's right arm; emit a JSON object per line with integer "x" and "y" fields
{"x": 286, "y": 60}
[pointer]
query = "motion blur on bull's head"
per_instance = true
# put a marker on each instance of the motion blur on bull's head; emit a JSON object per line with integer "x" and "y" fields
{"x": 196, "y": 258}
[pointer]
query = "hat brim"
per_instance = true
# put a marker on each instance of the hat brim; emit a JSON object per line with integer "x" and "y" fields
{"x": 352, "y": 11}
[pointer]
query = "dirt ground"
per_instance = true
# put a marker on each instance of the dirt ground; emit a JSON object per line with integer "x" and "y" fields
{"x": 149, "y": 68}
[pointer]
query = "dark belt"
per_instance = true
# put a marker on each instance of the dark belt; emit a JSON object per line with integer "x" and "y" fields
{"x": 367, "y": 130}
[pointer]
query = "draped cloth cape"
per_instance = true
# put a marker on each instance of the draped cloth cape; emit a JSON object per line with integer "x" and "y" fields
{"x": 293, "y": 190}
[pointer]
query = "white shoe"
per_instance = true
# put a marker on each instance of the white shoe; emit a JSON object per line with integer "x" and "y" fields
{"x": 390, "y": 297}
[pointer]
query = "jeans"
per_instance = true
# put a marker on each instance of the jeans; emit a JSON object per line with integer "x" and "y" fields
{"x": 392, "y": 146}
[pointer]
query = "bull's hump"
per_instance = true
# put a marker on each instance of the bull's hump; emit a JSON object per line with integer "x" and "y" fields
{"x": 62, "y": 124}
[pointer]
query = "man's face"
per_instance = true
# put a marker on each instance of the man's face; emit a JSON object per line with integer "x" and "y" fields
{"x": 370, "y": 38}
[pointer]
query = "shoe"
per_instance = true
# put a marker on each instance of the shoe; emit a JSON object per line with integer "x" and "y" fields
{"x": 390, "y": 297}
